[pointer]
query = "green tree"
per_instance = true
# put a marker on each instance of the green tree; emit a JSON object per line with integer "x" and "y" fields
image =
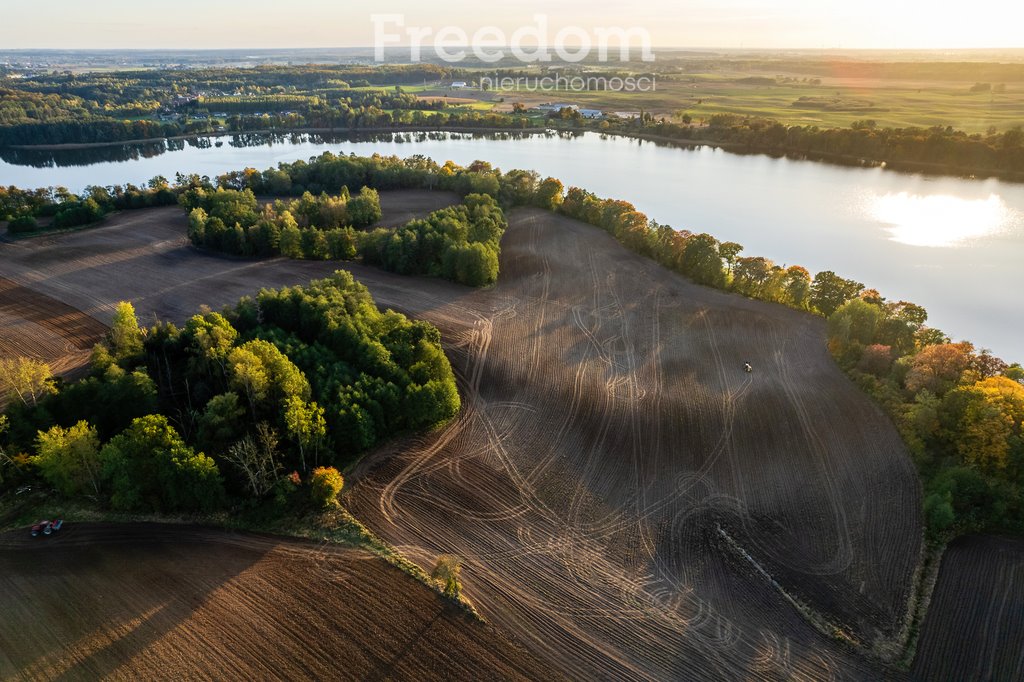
{"x": 125, "y": 335}
{"x": 364, "y": 208}
{"x": 305, "y": 423}
{"x": 25, "y": 378}
{"x": 829, "y": 291}
{"x": 702, "y": 262}
{"x": 248, "y": 375}
{"x": 221, "y": 422}
{"x": 148, "y": 467}
{"x": 549, "y": 194}
{"x": 69, "y": 458}
{"x": 797, "y": 287}
{"x": 855, "y": 322}
{"x": 729, "y": 252}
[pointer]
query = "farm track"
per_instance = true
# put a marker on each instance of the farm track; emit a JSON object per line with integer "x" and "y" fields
{"x": 607, "y": 431}
{"x": 148, "y": 601}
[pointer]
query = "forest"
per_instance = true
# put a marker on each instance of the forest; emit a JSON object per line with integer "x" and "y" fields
{"x": 242, "y": 406}
{"x": 459, "y": 243}
{"x": 936, "y": 148}
{"x": 103, "y": 107}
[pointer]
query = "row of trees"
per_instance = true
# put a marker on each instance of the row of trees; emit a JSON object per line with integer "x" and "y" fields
{"x": 22, "y": 207}
{"x": 293, "y": 379}
{"x": 959, "y": 410}
{"x": 939, "y": 147}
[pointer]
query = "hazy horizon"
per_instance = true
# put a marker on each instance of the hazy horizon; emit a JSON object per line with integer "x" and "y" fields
{"x": 691, "y": 24}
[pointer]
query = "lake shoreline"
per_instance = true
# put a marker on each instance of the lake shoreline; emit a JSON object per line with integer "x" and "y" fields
{"x": 844, "y": 160}
{"x": 71, "y": 146}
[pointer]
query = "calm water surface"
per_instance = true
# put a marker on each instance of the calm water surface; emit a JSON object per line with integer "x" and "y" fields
{"x": 955, "y": 246}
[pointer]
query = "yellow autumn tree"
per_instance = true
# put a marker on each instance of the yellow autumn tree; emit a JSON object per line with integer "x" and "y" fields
{"x": 993, "y": 410}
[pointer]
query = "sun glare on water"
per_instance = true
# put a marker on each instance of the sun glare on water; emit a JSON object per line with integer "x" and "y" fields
{"x": 939, "y": 219}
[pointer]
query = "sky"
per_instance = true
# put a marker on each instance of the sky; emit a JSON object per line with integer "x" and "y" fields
{"x": 195, "y": 24}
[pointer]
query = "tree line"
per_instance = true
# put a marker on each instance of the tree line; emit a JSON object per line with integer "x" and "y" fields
{"x": 22, "y": 208}
{"x": 172, "y": 419}
{"x": 998, "y": 153}
{"x": 959, "y": 410}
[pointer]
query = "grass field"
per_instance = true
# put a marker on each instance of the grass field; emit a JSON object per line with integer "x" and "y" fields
{"x": 837, "y": 101}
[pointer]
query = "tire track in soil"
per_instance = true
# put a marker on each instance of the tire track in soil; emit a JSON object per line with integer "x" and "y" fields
{"x": 584, "y": 528}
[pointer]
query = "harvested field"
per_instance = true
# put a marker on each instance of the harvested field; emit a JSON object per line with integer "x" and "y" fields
{"x": 146, "y": 601}
{"x": 614, "y": 476}
{"x": 975, "y": 626}
{"x": 399, "y": 207}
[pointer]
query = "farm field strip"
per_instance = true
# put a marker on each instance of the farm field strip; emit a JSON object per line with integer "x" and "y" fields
{"x": 975, "y": 624}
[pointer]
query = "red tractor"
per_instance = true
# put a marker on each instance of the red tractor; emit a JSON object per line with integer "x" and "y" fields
{"x": 45, "y": 527}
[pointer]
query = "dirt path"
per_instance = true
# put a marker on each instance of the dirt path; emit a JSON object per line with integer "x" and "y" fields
{"x": 145, "y": 601}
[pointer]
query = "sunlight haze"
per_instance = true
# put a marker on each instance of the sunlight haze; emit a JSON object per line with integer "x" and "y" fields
{"x": 914, "y": 24}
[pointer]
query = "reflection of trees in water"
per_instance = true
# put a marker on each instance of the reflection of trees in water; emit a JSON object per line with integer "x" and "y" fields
{"x": 116, "y": 153}
{"x": 59, "y": 158}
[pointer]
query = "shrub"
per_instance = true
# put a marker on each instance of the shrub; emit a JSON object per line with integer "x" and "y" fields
{"x": 22, "y": 224}
{"x": 447, "y": 574}
{"x": 326, "y": 484}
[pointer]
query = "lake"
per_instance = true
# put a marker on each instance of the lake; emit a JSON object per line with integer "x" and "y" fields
{"x": 953, "y": 245}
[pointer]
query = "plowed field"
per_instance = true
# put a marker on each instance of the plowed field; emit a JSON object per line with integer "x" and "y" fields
{"x": 146, "y": 601}
{"x": 58, "y": 291}
{"x": 618, "y": 486}
{"x": 974, "y": 629}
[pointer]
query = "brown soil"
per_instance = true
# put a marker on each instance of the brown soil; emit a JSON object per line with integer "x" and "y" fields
{"x": 146, "y": 601}
{"x": 38, "y": 326}
{"x": 975, "y": 625}
{"x": 608, "y": 432}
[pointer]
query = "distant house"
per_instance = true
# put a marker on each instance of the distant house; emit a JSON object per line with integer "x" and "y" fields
{"x": 628, "y": 114}
{"x": 591, "y": 113}
{"x": 557, "y": 106}
{"x": 460, "y": 84}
